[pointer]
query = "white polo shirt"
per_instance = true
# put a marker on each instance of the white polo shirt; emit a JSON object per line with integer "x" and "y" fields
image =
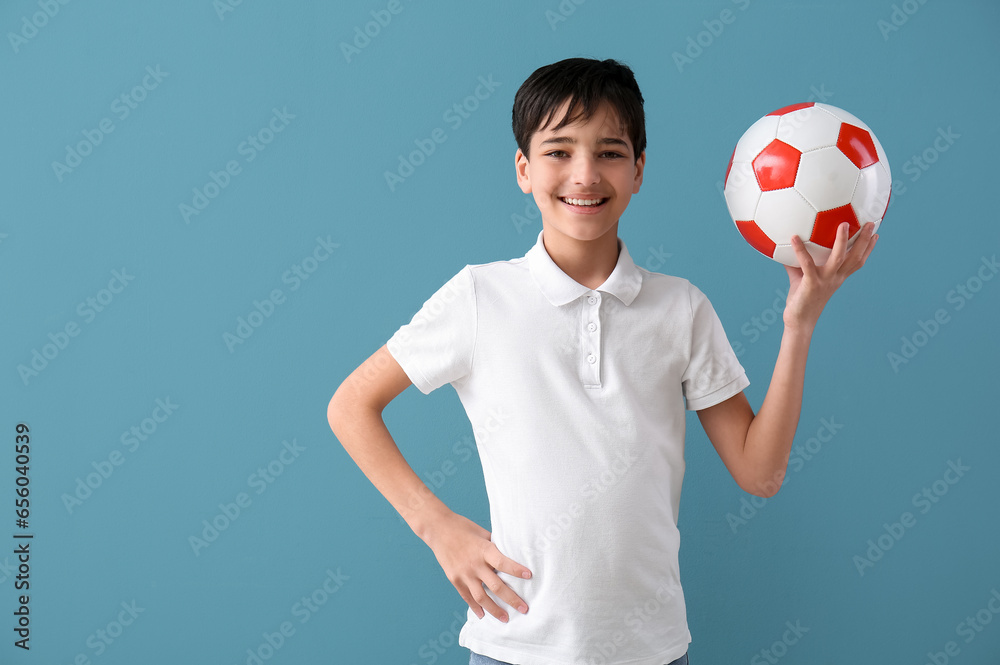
{"x": 577, "y": 398}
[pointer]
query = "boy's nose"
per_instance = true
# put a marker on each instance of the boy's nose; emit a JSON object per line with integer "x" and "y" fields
{"x": 585, "y": 171}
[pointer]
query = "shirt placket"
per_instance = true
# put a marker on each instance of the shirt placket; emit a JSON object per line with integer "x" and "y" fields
{"x": 590, "y": 347}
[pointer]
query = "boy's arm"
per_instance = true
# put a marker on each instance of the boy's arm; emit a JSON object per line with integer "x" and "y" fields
{"x": 755, "y": 449}
{"x": 462, "y": 547}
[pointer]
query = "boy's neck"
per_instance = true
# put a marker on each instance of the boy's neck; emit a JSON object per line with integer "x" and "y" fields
{"x": 587, "y": 262}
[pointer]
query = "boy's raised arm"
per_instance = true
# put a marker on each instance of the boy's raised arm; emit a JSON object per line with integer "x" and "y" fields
{"x": 756, "y": 449}
{"x": 462, "y": 547}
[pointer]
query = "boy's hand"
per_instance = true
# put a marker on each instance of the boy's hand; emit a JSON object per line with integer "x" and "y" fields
{"x": 810, "y": 286}
{"x": 470, "y": 560}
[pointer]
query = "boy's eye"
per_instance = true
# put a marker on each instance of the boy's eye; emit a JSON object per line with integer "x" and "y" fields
{"x": 608, "y": 153}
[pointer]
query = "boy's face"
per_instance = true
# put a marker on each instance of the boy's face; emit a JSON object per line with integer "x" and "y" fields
{"x": 592, "y": 161}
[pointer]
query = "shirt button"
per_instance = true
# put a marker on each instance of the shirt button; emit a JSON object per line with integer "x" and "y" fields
{"x": 591, "y": 327}
{"x": 592, "y": 300}
{"x": 591, "y": 359}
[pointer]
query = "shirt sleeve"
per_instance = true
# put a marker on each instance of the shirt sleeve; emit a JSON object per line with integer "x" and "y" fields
{"x": 713, "y": 373}
{"x": 437, "y": 345}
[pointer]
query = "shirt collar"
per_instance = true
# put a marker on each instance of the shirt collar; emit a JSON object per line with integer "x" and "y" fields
{"x": 559, "y": 288}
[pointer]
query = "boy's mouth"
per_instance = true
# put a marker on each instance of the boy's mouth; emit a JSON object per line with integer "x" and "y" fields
{"x": 583, "y": 204}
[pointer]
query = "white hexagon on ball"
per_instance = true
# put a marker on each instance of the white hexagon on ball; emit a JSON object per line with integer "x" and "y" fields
{"x": 783, "y": 213}
{"x": 756, "y": 138}
{"x": 809, "y": 128}
{"x": 826, "y": 178}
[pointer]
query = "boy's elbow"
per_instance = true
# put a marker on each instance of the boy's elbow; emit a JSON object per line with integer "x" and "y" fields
{"x": 332, "y": 417}
{"x": 764, "y": 487}
{"x": 348, "y": 406}
{"x": 336, "y": 410}
{"x": 757, "y": 491}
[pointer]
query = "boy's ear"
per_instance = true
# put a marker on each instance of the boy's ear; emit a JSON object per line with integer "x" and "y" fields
{"x": 640, "y": 166}
{"x": 521, "y": 168}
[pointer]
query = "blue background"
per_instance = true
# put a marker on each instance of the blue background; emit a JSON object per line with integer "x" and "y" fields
{"x": 909, "y": 70}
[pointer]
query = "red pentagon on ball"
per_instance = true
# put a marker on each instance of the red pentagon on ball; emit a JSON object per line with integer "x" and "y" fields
{"x": 857, "y": 144}
{"x": 775, "y": 166}
{"x": 792, "y": 107}
{"x": 757, "y": 238}
{"x": 825, "y": 229}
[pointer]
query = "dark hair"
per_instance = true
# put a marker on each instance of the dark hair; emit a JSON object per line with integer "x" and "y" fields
{"x": 586, "y": 83}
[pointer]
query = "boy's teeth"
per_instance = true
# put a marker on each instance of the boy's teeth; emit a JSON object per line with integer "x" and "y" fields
{"x": 583, "y": 202}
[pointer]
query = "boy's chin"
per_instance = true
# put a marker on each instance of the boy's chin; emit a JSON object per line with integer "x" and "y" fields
{"x": 581, "y": 232}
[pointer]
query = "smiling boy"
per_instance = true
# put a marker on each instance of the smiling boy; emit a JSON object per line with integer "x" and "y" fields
{"x": 592, "y": 360}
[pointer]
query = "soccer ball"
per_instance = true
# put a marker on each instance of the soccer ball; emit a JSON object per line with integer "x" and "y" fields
{"x": 804, "y": 170}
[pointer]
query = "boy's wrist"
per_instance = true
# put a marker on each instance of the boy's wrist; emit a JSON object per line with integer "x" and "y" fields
{"x": 800, "y": 330}
{"x": 426, "y": 520}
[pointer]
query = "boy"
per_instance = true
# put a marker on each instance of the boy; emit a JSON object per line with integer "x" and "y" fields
{"x": 579, "y": 364}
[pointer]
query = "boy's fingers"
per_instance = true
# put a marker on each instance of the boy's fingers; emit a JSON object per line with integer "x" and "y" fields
{"x": 505, "y": 564}
{"x": 860, "y": 249}
{"x": 869, "y": 249}
{"x": 839, "y": 250}
{"x": 500, "y": 563}
{"x": 505, "y": 593}
{"x": 487, "y": 604}
{"x": 868, "y": 240}
{"x": 806, "y": 263}
{"x": 476, "y": 608}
